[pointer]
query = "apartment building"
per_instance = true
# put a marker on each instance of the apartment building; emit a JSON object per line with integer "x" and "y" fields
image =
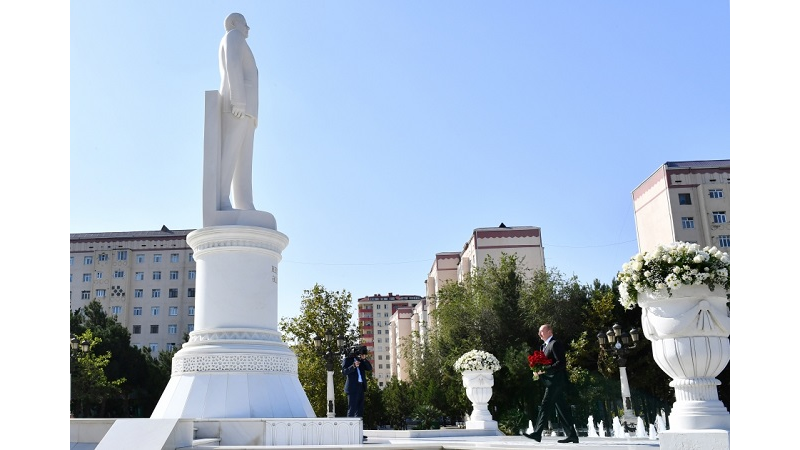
{"x": 374, "y": 315}
{"x": 412, "y": 324}
{"x": 146, "y": 279}
{"x": 685, "y": 201}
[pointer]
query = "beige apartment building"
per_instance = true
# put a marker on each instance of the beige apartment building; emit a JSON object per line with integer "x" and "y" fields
{"x": 374, "y": 314}
{"x": 412, "y": 323}
{"x": 685, "y": 201}
{"x": 146, "y": 279}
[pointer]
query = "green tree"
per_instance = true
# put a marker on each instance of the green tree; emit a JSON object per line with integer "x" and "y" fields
{"x": 397, "y": 403}
{"x": 321, "y": 312}
{"x": 143, "y": 381}
{"x": 90, "y": 387}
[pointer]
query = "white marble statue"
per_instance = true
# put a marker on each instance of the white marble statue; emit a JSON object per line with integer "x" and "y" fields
{"x": 239, "y": 97}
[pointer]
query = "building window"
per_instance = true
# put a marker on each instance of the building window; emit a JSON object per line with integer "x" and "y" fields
{"x": 688, "y": 222}
{"x": 137, "y": 329}
{"x": 85, "y": 295}
{"x": 138, "y": 293}
{"x": 192, "y": 274}
{"x": 102, "y": 257}
{"x": 119, "y": 274}
{"x": 725, "y": 240}
{"x": 154, "y": 310}
{"x": 379, "y": 340}
{"x": 157, "y": 275}
{"x": 191, "y": 310}
{"x": 100, "y": 293}
{"x": 191, "y": 257}
{"x": 87, "y": 260}
{"x": 140, "y": 259}
{"x": 172, "y": 328}
{"x": 190, "y": 327}
{"x": 685, "y": 199}
{"x": 718, "y": 216}
{"x": 71, "y": 260}
{"x": 173, "y": 274}
{"x": 156, "y": 293}
{"x": 87, "y": 277}
{"x": 715, "y": 193}
{"x": 137, "y": 310}
{"x": 380, "y": 366}
{"x": 173, "y": 293}
{"x": 174, "y": 257}
{"x": 153, "y": 329}
{"x": 99, "y": 275}
{"x": 116, "y": 310}
{"x": 170, "y": 346}
{"x": 173, "y": 310}
{"x": 139, "y": 276}
{"x": 153, "y": 347}
{"x": 190, "y": 292}
{"x": 379, "y": 331}
{"x": 157, "y": 258}
{"x": 122, "y": 255}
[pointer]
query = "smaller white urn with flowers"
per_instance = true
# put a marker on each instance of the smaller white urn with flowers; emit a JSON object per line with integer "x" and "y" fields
{"x": 477, "y": 369}
{"x": 683, "y": 291}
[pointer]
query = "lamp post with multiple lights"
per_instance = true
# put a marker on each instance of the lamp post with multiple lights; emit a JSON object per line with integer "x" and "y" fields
{"x": 329, "y": 349}
{"x": 75, "y": 345}
{"x": 620, "y": 342}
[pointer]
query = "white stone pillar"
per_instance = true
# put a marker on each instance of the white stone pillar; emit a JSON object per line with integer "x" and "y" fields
{"x": 235, "y": 364}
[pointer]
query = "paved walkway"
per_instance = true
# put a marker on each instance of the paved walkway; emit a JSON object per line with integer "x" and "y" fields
{"x": 380, "y": 439}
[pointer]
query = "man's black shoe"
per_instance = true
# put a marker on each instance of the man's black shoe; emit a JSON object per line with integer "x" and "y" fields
{"x": 573, "y": 439}
{"x": 535, "y": 436}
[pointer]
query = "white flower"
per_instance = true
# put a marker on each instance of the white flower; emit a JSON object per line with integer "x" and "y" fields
{"x": 669, "y": 267}
{"x": 477, "y": 360}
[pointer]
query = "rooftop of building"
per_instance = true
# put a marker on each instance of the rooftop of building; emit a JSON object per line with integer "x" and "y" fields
{"x": 164, "y": 232}
{"x": 711, "y": 163}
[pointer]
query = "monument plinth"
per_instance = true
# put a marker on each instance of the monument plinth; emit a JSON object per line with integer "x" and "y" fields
{"x": 235, "y": 364}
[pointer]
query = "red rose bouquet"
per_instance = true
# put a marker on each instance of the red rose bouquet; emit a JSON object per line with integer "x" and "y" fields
{"x": 538, "y": 361}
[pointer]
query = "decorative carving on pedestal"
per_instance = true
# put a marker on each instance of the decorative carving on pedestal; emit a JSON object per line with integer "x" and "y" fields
{"x": 234, "y": 335}
{"x": 234, "y": 363}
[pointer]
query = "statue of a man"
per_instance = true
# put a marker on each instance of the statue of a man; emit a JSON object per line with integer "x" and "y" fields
{"x": 239, "y": 96}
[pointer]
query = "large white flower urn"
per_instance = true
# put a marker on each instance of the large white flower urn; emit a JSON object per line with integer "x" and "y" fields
{"x": 689, "y": 331}
{"x": 478, "y": 384}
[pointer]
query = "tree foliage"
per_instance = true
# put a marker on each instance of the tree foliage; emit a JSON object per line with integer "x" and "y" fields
{"x": 321, "y": 312}
{"x": 137, "y": 379}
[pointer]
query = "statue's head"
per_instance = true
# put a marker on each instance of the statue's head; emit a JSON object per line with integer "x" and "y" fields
{"x": 236, "y": 21}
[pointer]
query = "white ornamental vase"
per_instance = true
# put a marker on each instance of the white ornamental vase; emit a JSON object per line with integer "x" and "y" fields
{"x": 690, "y": 333}
{"x": 478, "y": 384}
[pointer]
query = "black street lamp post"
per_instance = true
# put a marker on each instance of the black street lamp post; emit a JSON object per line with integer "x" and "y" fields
{"x": 329, "y": 352}
{"x": 74, "y": 345}
{"x": 620, "y": 343}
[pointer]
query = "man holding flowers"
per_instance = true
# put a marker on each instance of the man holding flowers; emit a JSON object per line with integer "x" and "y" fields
{"x": 554, "y": 377}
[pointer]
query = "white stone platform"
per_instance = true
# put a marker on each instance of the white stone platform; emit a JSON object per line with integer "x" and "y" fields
{"x": 254, "y": 434}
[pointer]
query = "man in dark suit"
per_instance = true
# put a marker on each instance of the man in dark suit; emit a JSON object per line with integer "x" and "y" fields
{"x": 354, "y": 368}
{"x": 555, "y": 381}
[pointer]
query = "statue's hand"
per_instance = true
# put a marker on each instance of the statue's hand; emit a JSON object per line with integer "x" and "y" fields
{"x": 237, "y": 111}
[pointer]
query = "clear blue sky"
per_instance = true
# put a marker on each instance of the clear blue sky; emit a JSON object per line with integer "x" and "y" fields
{"x": 389, "y": 131}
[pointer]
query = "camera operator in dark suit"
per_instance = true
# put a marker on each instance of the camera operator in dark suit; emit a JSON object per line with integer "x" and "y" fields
{"x": 354, "y": 368}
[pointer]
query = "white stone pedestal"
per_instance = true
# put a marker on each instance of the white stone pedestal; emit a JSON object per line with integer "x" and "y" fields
{"x": 235, "y": 364}
{"x": 695, "y": 439}
{"x": 478, "y": 384}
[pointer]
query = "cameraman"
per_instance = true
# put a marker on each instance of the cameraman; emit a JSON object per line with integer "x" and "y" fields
{"x": 354, "y": 369}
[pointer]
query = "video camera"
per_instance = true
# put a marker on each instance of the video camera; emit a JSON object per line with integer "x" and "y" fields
{"x": 356, "y": 351}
